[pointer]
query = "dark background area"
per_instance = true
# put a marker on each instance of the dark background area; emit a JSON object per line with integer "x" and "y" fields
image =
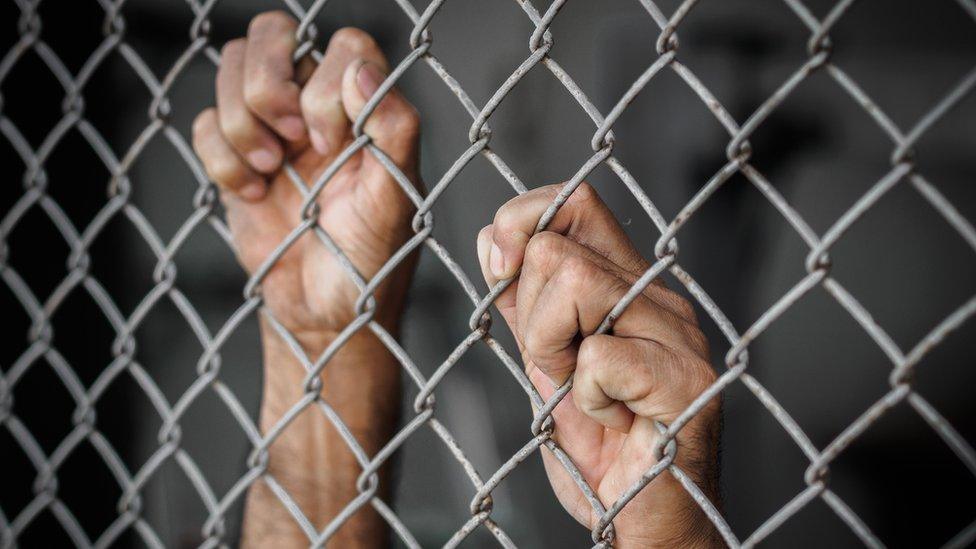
{"x": 902, "y": 261}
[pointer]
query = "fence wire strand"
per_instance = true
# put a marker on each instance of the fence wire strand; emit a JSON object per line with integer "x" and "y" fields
{"x": 158, "y": 125}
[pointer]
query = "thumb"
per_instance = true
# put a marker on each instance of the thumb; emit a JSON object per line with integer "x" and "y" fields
{"x": 505, "y": 302}
{"x": 394, "y": 125}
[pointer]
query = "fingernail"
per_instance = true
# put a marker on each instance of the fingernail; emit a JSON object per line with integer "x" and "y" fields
{"x": 496, "y": 261}
{"x": 253, "y": 192}
{"x": 291, "y": 127}
{"x": 263, "y": 160}
{"x": 319, "y": 142}
{"x": 369, "y": 79}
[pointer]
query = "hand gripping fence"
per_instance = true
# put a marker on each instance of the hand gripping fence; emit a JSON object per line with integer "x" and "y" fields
{"x": 666, "y": 258}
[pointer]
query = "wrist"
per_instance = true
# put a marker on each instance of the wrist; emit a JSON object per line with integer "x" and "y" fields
{"x": 685, "y": 526}
{"x": 362, "y": 367}
{"x": 313, "y": 342}
{"x": 389, "y": 298}
{"x": 672, "y": 517}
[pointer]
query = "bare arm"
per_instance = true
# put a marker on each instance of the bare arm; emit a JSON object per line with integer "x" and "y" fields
{"x": 270, "y": 110}
{"x": 310, "y": 459}
{"x": 648, "y": 368}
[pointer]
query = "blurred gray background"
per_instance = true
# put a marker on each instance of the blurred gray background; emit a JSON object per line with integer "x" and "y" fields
{"x": 904, "y": 263}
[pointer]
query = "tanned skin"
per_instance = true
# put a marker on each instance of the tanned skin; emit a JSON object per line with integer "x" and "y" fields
{"x": 651, "y": 366}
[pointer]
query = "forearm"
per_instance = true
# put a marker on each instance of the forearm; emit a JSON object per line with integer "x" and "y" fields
{"x": 309, "y": 458}
{"x": 672, "y": 517}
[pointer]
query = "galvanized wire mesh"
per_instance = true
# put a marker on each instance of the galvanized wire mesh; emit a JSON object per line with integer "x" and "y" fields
{"x": 41, "y": 352}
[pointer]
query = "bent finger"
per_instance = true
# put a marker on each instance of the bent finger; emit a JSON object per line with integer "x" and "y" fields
{"x": 393, "y": 125}
{"x": 269, "y": 71}
{"x": 576, "y": 300}
{"x": 249, "y": 136}
{"x": 583, "y": 218}
{"x": 505, "y": 302}
{"x": 565, "y": 288}
{"x": 618, "y": 378}
{"x": 321, "y": 97}
{"x": 220, "y": 161}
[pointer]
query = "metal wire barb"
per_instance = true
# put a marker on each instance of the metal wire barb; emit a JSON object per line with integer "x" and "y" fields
{"x": 79, "y": 279}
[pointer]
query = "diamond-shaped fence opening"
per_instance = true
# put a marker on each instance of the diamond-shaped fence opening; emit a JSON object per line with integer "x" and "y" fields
{"x": 179, "y": 321}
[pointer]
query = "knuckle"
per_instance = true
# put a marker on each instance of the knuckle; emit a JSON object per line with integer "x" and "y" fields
{"x": 353, "y": 39}
{"x": 674, "y": 302}
{"x": 697, "y": 339}
{"x": 595, "y": 353}
{"x": 505, "y": 216}
{"x": 700, "y": 375}
{"x": 550, "y": 190}
{"x": 584, "y": 397}
{"x": 313, "y": 102}
{"x": 682, "y": 307}
{"x": 273, "y": 19}
{"x": 233, "y": 48}
{"x": 592, "y": 352}
{"x": 407, "y": 122}
{"x": 235, "y": 125}
{"x": 575, "y": 273}
{"x": 225, "y": 171}
{"x": 532, "y": 342}
{"x": 204, "y": 122}
{"x": 259, "y": 94}
{"x": 584, "y": 194}
{"x": 485, "y": 233}
{"x": 510, "y": 219}
{"x": 542, "y": 247}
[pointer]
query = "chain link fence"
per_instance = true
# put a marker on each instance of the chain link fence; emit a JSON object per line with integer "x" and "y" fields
{"x": 204, "y": 214}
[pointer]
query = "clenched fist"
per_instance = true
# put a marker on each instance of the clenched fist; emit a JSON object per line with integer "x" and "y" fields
{"x": 270, "y": 110}
{"x": 648, "y": 369}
